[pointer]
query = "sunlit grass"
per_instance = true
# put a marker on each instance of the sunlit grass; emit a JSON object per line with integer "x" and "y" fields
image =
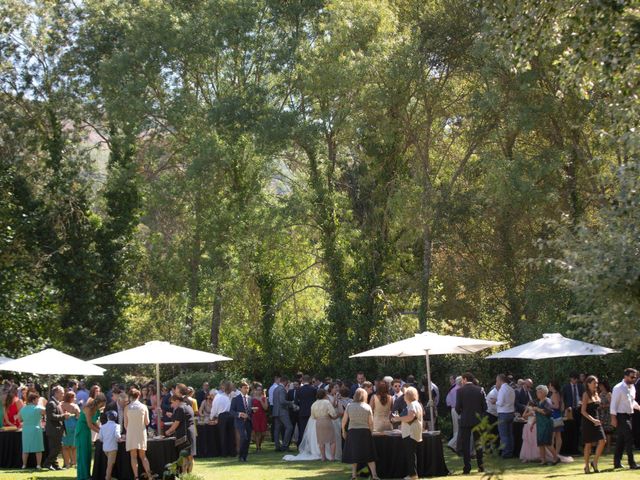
{"x": 269, "y": 465}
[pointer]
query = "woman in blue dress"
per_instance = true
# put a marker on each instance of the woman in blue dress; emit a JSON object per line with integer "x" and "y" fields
{"x": 32, "y": 441}
{"x": 68, "y": 441}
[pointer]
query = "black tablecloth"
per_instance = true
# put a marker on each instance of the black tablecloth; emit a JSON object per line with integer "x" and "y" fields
{"x": 570, "y": 444}
{"x": 390, "y": 462}
{"x": 11, "y": 450}
{"x": 216, "y": 440}
{"x": 159, "y": 452}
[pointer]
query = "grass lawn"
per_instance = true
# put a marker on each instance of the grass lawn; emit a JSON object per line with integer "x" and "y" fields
{"x": 268, "y": 465}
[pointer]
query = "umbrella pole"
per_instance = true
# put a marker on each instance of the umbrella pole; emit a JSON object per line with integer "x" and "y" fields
{"x": 158, "y": 400}
{"x": 430, "y": 421}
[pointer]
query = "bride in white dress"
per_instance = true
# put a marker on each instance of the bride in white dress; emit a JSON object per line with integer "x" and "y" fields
{"x": 309, "y": 449}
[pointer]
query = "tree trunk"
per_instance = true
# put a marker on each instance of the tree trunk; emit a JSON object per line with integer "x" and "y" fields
{"x": 194, "y": 270}
{"x": 339, "y": 311}
{"x": 427, "y": 247}
{"x": 216, "y": 318}
{"x": 267, "y": 285}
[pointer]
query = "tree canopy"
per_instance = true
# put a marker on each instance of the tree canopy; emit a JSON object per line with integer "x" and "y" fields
{"x": 288, "y": 183}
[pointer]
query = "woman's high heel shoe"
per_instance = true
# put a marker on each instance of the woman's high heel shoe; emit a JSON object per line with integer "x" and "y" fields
{"x": 587, "y": 470}
{"x": 595, "y": 467}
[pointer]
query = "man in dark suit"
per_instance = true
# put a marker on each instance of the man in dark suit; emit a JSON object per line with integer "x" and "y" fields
{"x": 360, "y": 379}
{"x": 54, "y": 428}
{"x": 306, "y": 397}
{"x": 572, "y": 398}
{"x": 202, "y": 394}
{"x": 281, "y": 417}
{"x": 242, "y": 413}
{"x": 524, "y": 395}
{"x": 471, "y": 405}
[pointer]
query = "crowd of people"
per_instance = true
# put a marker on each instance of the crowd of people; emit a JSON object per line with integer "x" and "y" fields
{"x": 74, "y": 417}
{"x": 585, "y": 410}
{"x": 326, "y": 419}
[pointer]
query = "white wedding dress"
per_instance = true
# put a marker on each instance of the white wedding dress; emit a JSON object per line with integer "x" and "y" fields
{"x": 309, "y": 449}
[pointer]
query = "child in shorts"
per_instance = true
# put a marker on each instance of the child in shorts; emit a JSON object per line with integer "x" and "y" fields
{"x": 110, "y": 436}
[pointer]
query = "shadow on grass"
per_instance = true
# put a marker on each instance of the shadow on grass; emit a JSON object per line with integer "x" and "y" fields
{"x": 32, "y": 474}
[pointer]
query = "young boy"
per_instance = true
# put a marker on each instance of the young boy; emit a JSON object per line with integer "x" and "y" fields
{"x": 110, "y": 436}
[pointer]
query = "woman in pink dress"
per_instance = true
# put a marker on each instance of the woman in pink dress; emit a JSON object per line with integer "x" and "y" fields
{"x": 259, "y": 405}
{"x": 529, "y": 451}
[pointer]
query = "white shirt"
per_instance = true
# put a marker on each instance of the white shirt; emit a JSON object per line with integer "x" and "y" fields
{"x": 272, "y": 389}
{"x": 221, "y": 404}
{"x": 492, "y": 408}
{"x": 506, "y": 399}
{"x": 109, "y": 435}
{"x": 623, "y": 399}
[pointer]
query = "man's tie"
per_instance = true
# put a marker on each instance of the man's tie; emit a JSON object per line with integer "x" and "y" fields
{"x": 246, "y": 404}
{"x": 575, "y": 395}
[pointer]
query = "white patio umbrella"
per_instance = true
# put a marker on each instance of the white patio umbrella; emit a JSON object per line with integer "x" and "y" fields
{"x": 552, "y": 345}
{"x": 4, "y": 359}
{"x": 51, "y": 362}
{"x": 429, "y": 343}
{"x": 157, "y": 352}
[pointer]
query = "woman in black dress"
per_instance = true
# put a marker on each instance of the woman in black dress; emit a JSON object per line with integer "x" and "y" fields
{"x": 592, "y": 431}
{"x": 359, "y": 446}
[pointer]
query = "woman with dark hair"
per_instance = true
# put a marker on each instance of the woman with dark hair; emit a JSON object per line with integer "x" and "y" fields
{"x": 136, "y": 420}
{"x": 592, "y": 431}
{"x": 359, "y": 446}
{"x": 557, "y": 410}
{"x": 381, "y": 404}
{"x": 604, "y": 390}
{"x": 12, "y": 405}
{"x": 32, "y": 441}
{"x": 94, "y": 391}
{"x": 87, "y": 422}
{"x": 181, "y": 418}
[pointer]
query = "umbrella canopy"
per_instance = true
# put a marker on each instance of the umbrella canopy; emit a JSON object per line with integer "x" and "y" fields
{"x": 552, "y": 345}
{"x": 157, "y": 352}
{"x": 435, "y": 344}
{"x": 4, "y": 359}
{"x": 429, "y": 343}
{"x": 52, "y": 362}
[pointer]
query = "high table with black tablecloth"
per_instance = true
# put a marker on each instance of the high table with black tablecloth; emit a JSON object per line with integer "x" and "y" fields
{"x": 390, "y": 462}
{"x": 160, "y": 451}
{"x": 11, "y": 450}
{"x": 216, "y": 440}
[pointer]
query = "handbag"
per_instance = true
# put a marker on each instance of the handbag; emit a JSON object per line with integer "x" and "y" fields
{"x": 182, "y": 443}
{"x": 558, "y": 422}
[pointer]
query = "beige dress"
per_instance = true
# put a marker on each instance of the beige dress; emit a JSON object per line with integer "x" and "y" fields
{"x": 137, "y": 418}
{"x": 381, "y": 413}
{"x": 322, "y": 411}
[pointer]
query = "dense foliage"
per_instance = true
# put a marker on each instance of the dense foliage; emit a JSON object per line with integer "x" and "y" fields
{"x": 287, "y": 183}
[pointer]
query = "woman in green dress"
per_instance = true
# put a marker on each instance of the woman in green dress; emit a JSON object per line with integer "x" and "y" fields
{"x": 32, "y": 441}
{"x": 87, "y": 422}
{"x": 544, "y": 425}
